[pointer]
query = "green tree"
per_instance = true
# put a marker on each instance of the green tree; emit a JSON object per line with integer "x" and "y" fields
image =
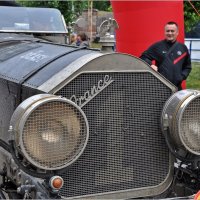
{"x": 191, "y": 17}
{"x": 70, "y": 9}
{"x": 102, "y": 5}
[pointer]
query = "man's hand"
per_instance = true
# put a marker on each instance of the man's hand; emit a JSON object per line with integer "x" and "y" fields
{"x": 154, "y": 67}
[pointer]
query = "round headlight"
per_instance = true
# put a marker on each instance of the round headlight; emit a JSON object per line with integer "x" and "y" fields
{"x": 182, "y": 111}
{"x": 51, "y": 132}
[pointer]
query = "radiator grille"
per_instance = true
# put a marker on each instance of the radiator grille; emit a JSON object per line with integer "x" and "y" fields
{"x": 126, "y": 149}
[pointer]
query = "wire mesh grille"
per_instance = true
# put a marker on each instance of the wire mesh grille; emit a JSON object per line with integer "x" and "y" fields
{"x": 190, "y": 126}
{"x": 54, "y": 134}
{"x": 126, "y": 149}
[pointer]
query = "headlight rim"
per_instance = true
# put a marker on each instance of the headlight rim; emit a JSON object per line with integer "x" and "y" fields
{"x": 171, "y": 120}
{"x": 180, "y": 114}
{"x": 23, "y": 119}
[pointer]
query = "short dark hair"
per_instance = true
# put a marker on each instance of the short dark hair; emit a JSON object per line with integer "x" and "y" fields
{"x": 172, "y": 23}
{"x": 83, "y": 36}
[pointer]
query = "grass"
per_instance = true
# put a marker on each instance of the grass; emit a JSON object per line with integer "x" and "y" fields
{"x": 95, "y": 45}
{"x": 193, "y": 80}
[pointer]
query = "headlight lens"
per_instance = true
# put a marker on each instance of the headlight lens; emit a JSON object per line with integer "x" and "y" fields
{"x": 51, "y": 133}
{"x": 189, "y": 126}
{"x": 183, "y": 113}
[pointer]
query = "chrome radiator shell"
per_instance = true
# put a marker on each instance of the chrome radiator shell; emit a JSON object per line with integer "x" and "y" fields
{"x": 126, "y": 155}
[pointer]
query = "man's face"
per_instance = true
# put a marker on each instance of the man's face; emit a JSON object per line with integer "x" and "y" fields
{"x": 171, "y": 32}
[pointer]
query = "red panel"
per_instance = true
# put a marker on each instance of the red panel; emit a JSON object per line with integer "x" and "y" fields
{"x": 141, "y": 23}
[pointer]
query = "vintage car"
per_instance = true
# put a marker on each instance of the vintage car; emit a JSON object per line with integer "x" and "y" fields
{"x": 77, "y": 123}
{"x": 48, "y": 24}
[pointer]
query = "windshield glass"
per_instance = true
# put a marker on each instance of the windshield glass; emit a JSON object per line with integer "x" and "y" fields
{"x": 23, "y": 19}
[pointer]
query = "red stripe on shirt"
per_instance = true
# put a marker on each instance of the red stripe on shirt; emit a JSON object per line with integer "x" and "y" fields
{"x": 180, "y": 57}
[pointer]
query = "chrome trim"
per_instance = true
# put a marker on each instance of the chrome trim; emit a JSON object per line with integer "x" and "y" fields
{"x": 97, "y": 62}
{"x": 180, "y": 113}
{"x": 25, "y": 109}
{"x": 133, "y": 193}
{"x": 67, "y": 71}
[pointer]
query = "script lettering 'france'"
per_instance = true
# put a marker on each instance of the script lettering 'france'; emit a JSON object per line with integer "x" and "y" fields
{"x": 90, "y": 94}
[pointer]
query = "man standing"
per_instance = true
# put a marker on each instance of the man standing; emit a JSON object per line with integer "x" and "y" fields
{"x": 171, "y": 58}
